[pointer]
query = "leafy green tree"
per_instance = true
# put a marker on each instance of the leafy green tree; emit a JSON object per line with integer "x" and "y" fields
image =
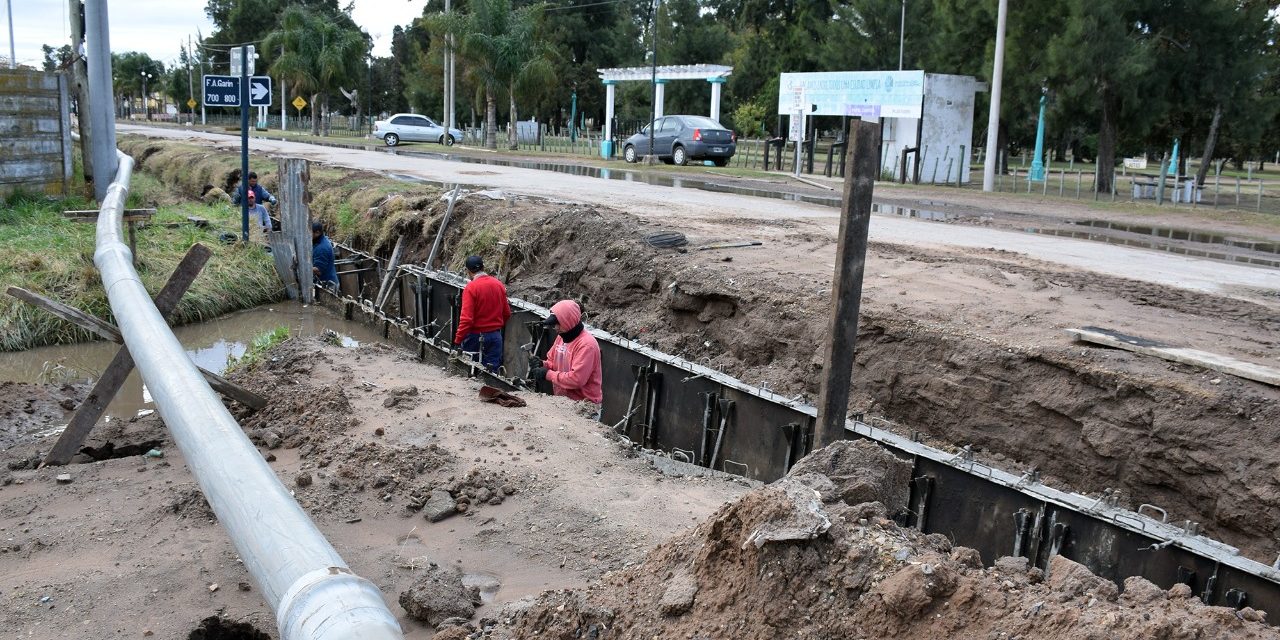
{"x": 56, "y": 59}
{"x": 320, "y": 52}
{"x": 127, "y": 69}
{"x": 1104, "y": 56}
{"x": 503, "y": 51}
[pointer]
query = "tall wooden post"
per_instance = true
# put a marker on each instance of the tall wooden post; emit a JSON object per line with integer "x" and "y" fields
{"x": 846, "y": 289}
{"x": 295, "y": 219}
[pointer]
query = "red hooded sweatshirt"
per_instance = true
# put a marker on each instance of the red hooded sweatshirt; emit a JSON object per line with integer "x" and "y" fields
{"x": 574, "y": 366}
{"x": 484, "y": 307}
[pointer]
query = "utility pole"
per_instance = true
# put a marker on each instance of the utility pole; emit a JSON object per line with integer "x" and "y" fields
{"x": 13, "y": 56}
{"x": 191, "y": 88}
{"x": 861, "y": 170}
{"x": 448, "y": 116}
{"x": 653, "y": 108}
{"x": 993, "y": 118}
{"x": 98, "y": 50}
{"x": 902, "y": 34}
{"x": 80, "y": 74}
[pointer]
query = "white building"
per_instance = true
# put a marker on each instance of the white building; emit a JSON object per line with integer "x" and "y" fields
{"x": 930, "y": 112}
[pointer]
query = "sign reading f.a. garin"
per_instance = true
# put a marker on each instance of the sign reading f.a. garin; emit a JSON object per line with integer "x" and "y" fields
{"x": 868, "y": 94}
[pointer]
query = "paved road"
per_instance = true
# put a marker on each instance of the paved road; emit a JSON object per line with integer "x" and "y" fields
{"x": 646, "y": 200}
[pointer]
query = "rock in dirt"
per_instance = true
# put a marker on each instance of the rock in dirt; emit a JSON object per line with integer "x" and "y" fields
{"x": 391, "y": 401}
{"x": 452, "y": 633}
{"x": 303, "y": 480}
{"x": 679, "y": 595}
{"x": 404, "y": 392}
{"x": 439, "y": 505}
{"x": 859, "y": 471}
{"x": 439, "y": 595}
{"x": 64, "y": 478}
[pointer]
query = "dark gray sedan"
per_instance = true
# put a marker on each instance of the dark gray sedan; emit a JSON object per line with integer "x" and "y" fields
{"x": 679, "y": 139}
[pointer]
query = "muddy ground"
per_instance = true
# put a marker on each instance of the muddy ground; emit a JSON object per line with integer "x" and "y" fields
{"x": 131, "y": 546}
{"x": 557, "y": 531}
{"x": 964, "y": 348}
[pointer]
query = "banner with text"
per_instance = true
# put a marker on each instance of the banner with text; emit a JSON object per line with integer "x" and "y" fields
{"x": 868, "y": 94}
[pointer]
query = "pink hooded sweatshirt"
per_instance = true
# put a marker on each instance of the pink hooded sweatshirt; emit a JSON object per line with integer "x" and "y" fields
{"x": 574, "y": 366}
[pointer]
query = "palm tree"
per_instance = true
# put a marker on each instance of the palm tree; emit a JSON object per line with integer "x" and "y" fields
{"x": 319, "y": 52}
{"x": 503, "y": 52}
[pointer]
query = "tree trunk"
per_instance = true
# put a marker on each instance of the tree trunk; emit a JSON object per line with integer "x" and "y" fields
{"x": 490, "y": 120}
{"x": 1106, "y": 160}
{"x": 513, "y": 136}
{"x": 324, "y": 113}
{"x": 315, "y": 119}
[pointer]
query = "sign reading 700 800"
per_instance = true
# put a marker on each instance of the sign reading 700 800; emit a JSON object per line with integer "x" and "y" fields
{"x": 221, "y": 91}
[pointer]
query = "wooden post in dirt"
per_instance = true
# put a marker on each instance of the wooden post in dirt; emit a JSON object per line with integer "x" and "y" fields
{"x": 295, "y": 220}
{"x": 846, "y": 289}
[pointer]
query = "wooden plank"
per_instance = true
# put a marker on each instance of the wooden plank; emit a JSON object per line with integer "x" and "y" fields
{"x": 233, "y": 390}
{"x": 282, "y": 254}
{"x": 91, "y": 215}
{"x": 113, "y": 377}
{"x": 1181, "y": 355}
{"x": 861, "y": 171}
{"x": 295, "y": 220}
{"x": 101, "y": 328}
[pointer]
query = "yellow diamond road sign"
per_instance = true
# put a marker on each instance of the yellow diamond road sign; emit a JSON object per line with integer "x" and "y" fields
{"x": 191, "y": 103}
{"x": 299, "y": 103}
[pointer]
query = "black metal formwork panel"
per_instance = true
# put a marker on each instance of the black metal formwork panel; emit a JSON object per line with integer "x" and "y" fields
{"x": 1236, "y": 588}
{"x": 679, "y": 405}
{"x": 755, "y": 439}
{"x": 442, "y": 311}
{"x": 1113, "y": 552}
{"x": 617, "y": 380}
{"x": 972, "y": 511}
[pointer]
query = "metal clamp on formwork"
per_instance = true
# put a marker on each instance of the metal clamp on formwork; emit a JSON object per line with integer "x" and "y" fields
{"x": 302, "y": 578}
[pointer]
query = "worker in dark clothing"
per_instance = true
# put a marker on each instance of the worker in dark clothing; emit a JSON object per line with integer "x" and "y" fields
{"x": 322, "y": 264}
{"x": 259, "y": 193}
{"x": 485, "y": 312}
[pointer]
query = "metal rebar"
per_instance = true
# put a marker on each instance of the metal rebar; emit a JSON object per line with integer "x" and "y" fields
{"x": 301, "y": 576}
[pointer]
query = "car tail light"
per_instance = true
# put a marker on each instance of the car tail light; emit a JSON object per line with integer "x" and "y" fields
{"x": 697, "y": 135}
{"x": 733, "y": 136}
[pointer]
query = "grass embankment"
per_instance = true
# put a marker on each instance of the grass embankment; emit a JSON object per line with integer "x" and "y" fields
{"x": 367, "y": 210}
{"x": 47, "y": 253}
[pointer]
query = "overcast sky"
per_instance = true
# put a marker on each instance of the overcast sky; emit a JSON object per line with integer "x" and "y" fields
{"x": 157, "y": 27}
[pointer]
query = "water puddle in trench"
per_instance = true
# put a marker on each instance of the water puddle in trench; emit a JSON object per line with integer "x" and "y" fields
{"x": 210, "y": 344}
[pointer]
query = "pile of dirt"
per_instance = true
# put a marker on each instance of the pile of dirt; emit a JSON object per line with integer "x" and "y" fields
{"x": 778, "y": 562}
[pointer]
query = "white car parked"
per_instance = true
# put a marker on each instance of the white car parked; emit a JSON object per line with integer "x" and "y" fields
{"x": 411, "y": 127}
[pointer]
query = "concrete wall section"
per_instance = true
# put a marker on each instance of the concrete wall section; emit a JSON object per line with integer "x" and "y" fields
{"x": 948, "y": 128}
{"x": 35, "y": 133}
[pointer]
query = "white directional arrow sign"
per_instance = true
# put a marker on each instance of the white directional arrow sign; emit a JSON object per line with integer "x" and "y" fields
{"x": 260, "y": 91}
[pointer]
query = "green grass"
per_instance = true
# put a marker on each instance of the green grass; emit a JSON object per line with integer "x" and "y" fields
{"x": 52, "y": 255}
{"x": 262, "y": 343}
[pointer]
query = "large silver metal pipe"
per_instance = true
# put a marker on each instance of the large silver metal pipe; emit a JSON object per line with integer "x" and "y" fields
{"x": 313, "y": 593}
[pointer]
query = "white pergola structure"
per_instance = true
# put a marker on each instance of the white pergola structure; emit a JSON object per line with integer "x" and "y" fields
{"x": 715, "y": 74}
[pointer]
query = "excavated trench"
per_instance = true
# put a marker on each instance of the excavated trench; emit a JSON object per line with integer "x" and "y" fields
{"x": 1085, "y": 427}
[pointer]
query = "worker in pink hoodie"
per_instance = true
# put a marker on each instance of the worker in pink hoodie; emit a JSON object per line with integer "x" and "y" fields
{"x": 573, "y": 363}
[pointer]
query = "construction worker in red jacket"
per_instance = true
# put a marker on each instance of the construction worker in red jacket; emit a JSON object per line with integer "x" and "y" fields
{"x": 573, "y": 363}
{"x": 485, "y": 312}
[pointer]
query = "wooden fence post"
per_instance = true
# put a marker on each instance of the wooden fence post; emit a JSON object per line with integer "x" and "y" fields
{"x": 846, "y": 289}
{"x": 295, "y": 219}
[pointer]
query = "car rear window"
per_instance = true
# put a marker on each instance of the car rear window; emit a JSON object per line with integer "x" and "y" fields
{"x": 699, "y": 122}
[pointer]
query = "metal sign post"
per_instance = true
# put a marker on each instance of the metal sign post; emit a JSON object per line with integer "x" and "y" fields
{"x": 797, "y": 135}
{"x": 244, "y": 143}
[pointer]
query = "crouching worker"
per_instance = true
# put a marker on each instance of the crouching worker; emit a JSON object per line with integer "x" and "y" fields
{"x": 573, "y": 363}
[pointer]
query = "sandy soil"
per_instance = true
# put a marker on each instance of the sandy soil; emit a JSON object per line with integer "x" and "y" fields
{"x": 130, "y": 546}
{"x": 961, "y": 326}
